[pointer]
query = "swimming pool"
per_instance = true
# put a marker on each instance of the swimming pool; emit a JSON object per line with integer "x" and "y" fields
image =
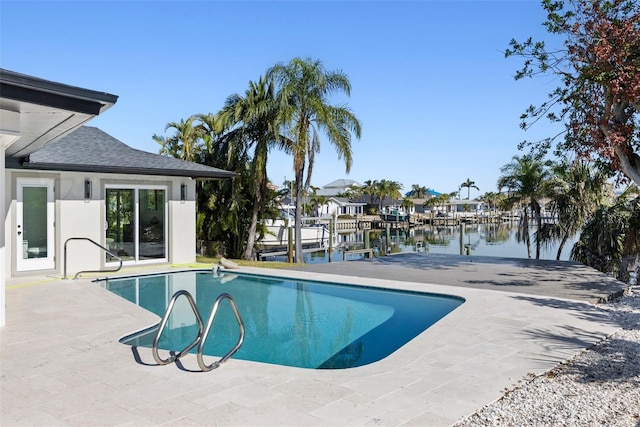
{"x": 302, "y": 323}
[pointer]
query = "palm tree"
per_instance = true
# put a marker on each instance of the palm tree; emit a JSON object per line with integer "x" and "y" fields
{"x": 431, "y": 202}
{"x": 601, "y": 243}
{"x": 304, "y": 91}
{"x": 610, "y": 235}
{"x": 442, "y": 200}
{"x": 407, "y": 204}
{"x": 469, "y": 184}
{"x": 183, "y": 144}
{"x": 387, "y": 188}
{"x": 418, "y": 192}
{"x": 207, "y": 129}
{"x": 370, "y": 189}
{"x": 578, "y": 189}
{"x": 492, "y": 199}
{"x": 317, "y": 202}
{"x": 255, "y": 116}
{"x": 526, "y": 179}
{"x": 223, "y": 207}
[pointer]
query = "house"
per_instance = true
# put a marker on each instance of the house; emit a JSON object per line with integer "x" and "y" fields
{"x": 337, "y": 187}
{"x": 466, "y": 205}
{"x": 62, "y": 180}
{"x": 341, "y": 206}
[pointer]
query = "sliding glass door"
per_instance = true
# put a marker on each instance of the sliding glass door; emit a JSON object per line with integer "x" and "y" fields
{"x": 136, "y": 223}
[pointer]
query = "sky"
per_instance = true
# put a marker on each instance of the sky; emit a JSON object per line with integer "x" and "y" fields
{"x": 431, "y": 87}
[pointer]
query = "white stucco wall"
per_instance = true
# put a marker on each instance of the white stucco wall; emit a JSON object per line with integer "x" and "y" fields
{"x": 3, "y": 256}
{"x": 182, "y": 238}
{"x": 76, "y": 216}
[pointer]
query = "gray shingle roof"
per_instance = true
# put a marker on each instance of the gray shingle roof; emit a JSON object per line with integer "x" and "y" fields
{"x": 342, "y": 183}
{"x": 89, "y": 149}
{"x": 344, "y": 201}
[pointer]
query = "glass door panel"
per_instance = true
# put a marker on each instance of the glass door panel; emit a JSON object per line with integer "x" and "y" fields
{"x": 152, "y": 226}
{"x": 121, "y": 228}
{"x": 35, "y": 241}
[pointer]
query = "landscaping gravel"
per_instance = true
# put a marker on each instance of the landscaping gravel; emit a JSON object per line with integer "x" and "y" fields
{"x": 598, "y": 387}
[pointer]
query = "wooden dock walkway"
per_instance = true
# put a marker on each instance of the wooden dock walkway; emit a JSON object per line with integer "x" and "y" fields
{"x": 262, "y": 255}
{"x": 374, "y": 222}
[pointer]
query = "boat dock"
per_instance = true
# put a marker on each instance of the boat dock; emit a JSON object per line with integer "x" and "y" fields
{"x": 265, "y": 254}
{"x": 372, "y": 222}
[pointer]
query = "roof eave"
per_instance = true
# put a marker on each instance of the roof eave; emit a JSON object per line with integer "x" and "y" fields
{"x": 122, "y": 170}
{"x": 35, "y": 90}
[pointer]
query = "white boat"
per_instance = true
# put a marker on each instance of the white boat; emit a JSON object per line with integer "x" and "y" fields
{"x": 277, "y": 236}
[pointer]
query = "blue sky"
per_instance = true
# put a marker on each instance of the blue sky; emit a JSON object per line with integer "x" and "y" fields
{"x": 430, "y": 84}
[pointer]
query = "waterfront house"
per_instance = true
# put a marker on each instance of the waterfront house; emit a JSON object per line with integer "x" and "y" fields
{"x": 62, "y": 180}
{"x": 341, "y": 206}
{"x": 466, "y": 205}
{"x": 337, "y": 187}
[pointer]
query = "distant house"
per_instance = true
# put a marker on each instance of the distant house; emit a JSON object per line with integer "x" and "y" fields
{"x": 337, "y": 187}
{"x": 465, "y": 205}
{"x": 419, "y": 207}
{"x": 63, "y": 180}
{"x": 341, "y": 206}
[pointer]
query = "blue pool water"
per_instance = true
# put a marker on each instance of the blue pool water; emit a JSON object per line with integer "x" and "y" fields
{"x": 289, "y": 322}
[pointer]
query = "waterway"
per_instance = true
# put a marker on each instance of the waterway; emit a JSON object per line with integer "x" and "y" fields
{"x": 499, "y": 240}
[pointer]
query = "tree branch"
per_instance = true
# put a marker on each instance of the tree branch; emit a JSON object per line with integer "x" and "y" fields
{"x": 630, "y": 169}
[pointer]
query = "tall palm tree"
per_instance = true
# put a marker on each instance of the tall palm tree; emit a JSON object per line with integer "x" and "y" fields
{"x": 469, "y": 184}
{"x": 304, "y": 89}
{"x": 255, "y": 115}
{"x": 527, "y": 180}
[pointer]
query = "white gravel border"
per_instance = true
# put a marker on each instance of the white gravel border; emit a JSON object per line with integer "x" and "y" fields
{"x": 598, "y": 387}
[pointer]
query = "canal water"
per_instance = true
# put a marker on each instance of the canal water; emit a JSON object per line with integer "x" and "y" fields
{"x": 499, "y": 240}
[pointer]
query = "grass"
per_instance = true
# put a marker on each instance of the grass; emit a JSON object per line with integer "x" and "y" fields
{"x": 246, "y": 263}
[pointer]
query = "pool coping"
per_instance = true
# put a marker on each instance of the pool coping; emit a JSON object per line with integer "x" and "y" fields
{"x": 61, "y": 363}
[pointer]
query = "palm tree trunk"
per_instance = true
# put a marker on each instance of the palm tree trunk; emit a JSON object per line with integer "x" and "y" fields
{"x": 251, "y": 239}
{"x": 299, "y": 257}
{"x": 260, "y": 187}
{"x": 525, "y": 230}
{"x": 538, "y": 243}
{"x": 562, "y": 243}
{"x": 538, "y": 217}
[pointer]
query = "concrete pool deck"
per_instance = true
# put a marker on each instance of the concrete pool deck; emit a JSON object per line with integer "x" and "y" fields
{"x": 61, "y": 362}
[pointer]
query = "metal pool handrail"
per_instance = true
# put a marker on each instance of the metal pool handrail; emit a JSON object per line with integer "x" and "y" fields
{"x": 89, "y": 271}
{"x": 163, "y": 324}
{"x": 202, "y": 332}
{"x": 235, "y": 348}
